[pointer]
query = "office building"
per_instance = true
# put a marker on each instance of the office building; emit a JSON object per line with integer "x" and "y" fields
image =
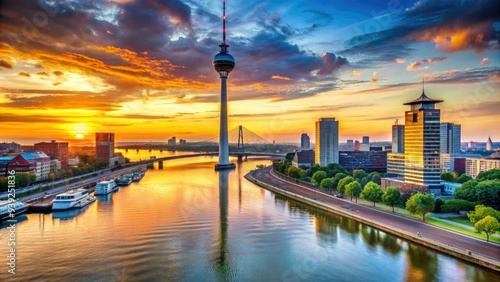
{"x": 473, "y": 166}
{"x": 356, "y": 145}
{"x": 450, "y": 135}
{"x": 398, "y": 138}
{"x": 422, "y": 143}
{"x": 327, "y": 141}
{"x": 396, "y": 165}
{"x": 172, "y": 141}
{"x": 366, "y": 140}
{"x": 37, "y": 163}
{"x": 10, "y": 147}
{"x": 57, "y": 150}
{"x": 305, "y": 142}
{"x": 304, "y": 158}
{"x": 368, "y": 161}
{"x": 104, "y": 146}
{"x": 182, "y": 142}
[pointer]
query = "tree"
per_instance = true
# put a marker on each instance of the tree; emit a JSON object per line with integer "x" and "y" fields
{"x": 358, "y": 174}
{"x": 372, "y": 192}
{"x": 488, "y": 192}
{"x": 353, "y": 189}
{"x": 481, "y": 211}
{"x": 377, "y": 179}
{"x": 317, "y": 177}
{"x": 326, "y": 183}
{"x": 489, "y": 175}
{"x": 421, "y": 204}
{"x": 463, "y": 178}
{"x": 457, "y": 205}
{"x": 392, "y": 196}
{"x": 337, "y": 178}
{"x": 438, "y": 203}
{"x": 447, "y": 176}
{"x": 488, "y": 225}
{"x": 343, "y": 183}
{"x": 466, "y": 191}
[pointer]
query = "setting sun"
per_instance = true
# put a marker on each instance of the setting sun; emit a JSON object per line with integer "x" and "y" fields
{"x": 79, "y": 136}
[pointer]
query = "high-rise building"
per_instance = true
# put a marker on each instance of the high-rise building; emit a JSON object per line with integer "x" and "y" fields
{"x": 305, "y": 142}
{"x": 58, "y": 150}
{"x": 398, "y": 138}
{"x": 366, "y": 140}
{"x": 422, "y": 143}
{"x": 172, "y": 141}
{"x": 356, "y": 145}
{"x": 489, "y": 145}
{"x": 450, "y": 138}
{"x": 104, "y": 146}
{"x": 327, "y": 141}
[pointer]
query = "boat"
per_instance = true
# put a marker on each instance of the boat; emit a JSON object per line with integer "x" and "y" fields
{"x": 72, "y": 199}
{"x": 124, "y": 181}
{"x": 11, "y": 209}
{"x": 138, "y": 175}
{"x": 105, "y": 187}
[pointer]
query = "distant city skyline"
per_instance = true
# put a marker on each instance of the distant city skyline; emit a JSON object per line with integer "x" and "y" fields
{"x": 145, "y": 71}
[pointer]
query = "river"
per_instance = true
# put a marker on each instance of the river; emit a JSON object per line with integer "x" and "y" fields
{"x": 190, "y": 223}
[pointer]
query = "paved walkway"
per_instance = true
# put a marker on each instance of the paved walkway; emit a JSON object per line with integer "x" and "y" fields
{"x": 387, "y": 218}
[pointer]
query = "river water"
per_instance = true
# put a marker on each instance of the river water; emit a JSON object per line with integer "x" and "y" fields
{"x": 190, "y": 223}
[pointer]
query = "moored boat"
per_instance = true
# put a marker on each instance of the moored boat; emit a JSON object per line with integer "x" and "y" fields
{"x": 11, "y": 209}
{"x": 72, "y": 199}
{"x": 105, "y": 187}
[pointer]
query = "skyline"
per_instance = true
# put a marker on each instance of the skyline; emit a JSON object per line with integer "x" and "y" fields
{"x": 145, "y": 69}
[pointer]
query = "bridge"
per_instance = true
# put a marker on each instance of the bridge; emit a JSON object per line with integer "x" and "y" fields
{"x": 240, "y": 155}
{"x": 240, "y": 138}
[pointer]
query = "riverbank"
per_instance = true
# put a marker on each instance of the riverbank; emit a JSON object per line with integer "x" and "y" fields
{"x": 476, "y": 251}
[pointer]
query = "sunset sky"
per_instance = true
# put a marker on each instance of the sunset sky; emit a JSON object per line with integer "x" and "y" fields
{"x": 142, "y": 69}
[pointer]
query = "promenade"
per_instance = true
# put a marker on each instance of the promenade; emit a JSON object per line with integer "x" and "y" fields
{"x": 469, "y": 248}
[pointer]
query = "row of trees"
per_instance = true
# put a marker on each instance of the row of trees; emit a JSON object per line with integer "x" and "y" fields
{"x": 453, "y": 177}
{"x": 486, "y": 219}
{"x": 485, "y": 189}
{"x": 21, "y": 180}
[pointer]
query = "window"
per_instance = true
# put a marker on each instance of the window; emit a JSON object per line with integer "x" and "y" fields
{"x": 415, "y": 117}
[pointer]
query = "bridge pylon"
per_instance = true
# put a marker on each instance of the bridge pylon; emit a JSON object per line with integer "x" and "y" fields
{"x": 241, "y": 144}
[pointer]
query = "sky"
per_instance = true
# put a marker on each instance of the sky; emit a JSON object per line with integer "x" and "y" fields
{"x": 142, "y": 68}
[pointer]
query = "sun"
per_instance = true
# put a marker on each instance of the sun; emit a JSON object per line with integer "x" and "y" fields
{"x": 79, "y": 136}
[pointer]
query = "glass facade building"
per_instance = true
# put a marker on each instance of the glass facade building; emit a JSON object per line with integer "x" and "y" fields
{"x": 450, "y": 138}
{"x": 422, "y": 143}
{"x": 398, "y": 138}
{"x": 327, "y": 141}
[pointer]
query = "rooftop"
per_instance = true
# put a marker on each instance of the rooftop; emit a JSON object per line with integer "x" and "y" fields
{"x": 423, "y": 99}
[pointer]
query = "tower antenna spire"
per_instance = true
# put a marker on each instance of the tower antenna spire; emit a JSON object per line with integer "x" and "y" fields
{"x": 423, "y": 85}
{"x": 224, "y": 22}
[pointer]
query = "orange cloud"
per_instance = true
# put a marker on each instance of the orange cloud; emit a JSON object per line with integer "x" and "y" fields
{"x": 373, "y": 80}
{"x": 58, "y": 73}
{"x": 484, "y": 62}
{"x": 43, "y": 73}
{"x": 280, "y": 77}
{"x": 450, "y": 72}
{"x": 5, "y": 64}
{"x": 400, "y": 61}
{"x": 24, "y": 74}
{"x": 356, "y": 73}
{"x": 453, "y": 39}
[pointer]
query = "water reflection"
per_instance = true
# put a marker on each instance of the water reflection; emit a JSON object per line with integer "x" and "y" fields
{"x": 222, "y": 264}
{"x": 422, "y": 264}
{"x": 68, "y": 214}
{"x": 18, "y": 219}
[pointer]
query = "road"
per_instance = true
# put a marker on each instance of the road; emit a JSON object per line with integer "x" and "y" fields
{"x": 426, "y": 230}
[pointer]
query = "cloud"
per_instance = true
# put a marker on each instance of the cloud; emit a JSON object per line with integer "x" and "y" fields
{"x": 58, "y": 73}
{"x": 43, "y": 73}
{"x": 24, "y": 74}
{"x": 484, "y": 62}
{"x": 56, "y": 83}
{"x": 331, "y": 64}
{"x": 356, "y": 73}
{"x": 450, "y": 72}
{"x": 400, "y": 61}
{"x": 280, "y": 77}
{"x": 420, "y": 64}
{"x": 373, "y": 80}
{"x": 5, "y": 64}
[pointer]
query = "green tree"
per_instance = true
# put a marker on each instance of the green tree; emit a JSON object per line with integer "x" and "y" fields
{"x": 372, "y": 192}
{"x": 420, "y": 204}
{"x": 466, "y": 191}
{"x": 353, "y": 189}
{"x": 343, "y": 183}
{"x": 488, "y": 192}
{"x": 488, "y": 225}
{"x": 317, "y": 177}
{"x": 448, "y": 176}
{"x": 377, "y": 179}
{"x": 337, "y": 179}
{"x": 457, "y": 205}
{"x": 481, "y": 211}
{"x": 489, "y": 175}
{"x": 463, "y": 178}
{"x": 392, "y": 197}
{"x": 358, "y": 174}
{"x": 303, "y": 174}
{"x": 69, "y": 173}
{"x": 438, "y": 203}
{"x": 293, "y": 172}
{"x": 326, "y": 183}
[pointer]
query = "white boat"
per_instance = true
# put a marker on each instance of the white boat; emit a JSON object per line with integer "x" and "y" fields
{"x": 72, "y": 199}
{"x": 105, "y": 187}
{"x": 11, "y": 209}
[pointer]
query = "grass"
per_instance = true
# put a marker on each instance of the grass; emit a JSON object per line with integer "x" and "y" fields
{"x": 458, "y": 229}
{"x": 460, "y": 219}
